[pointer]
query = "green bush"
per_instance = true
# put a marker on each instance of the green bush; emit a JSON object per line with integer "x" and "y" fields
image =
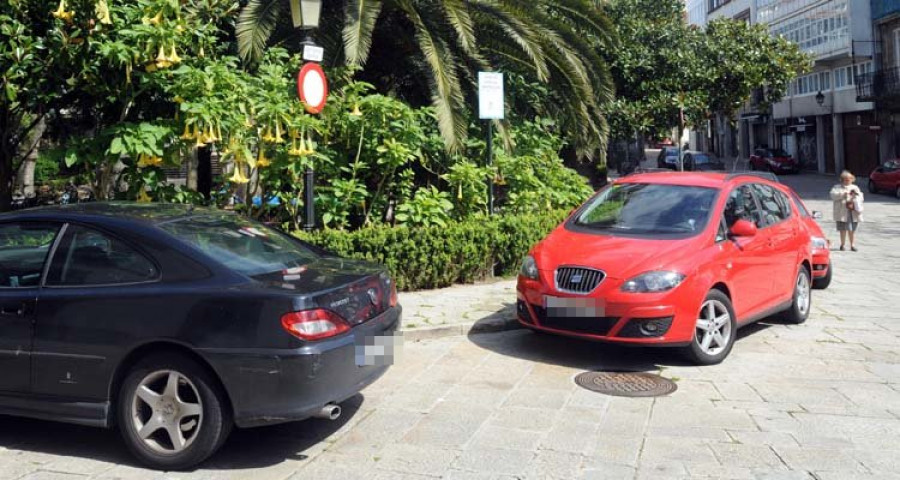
{"x": 435, "y": 257}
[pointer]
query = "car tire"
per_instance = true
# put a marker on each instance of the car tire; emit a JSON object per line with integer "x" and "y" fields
{"x": 191, "y": 419}
{"x": 824, "y": 282}
{"x": 712, "y": 315}
{"x": 798, "y": 312}
{"x": 874, "y": 188}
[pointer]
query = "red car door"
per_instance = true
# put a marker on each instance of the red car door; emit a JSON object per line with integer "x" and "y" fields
{"x": 782, "y": 239}
{"x": 747, "y": 258}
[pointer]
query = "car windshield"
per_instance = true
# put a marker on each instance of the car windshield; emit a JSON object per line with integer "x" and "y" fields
{"x": 644, "y": 209}
{"x": 242, "y": 245}
{"x": 702, "y": 158}
{"x": 779, "y": 153}
{"x": 671, "y": 152}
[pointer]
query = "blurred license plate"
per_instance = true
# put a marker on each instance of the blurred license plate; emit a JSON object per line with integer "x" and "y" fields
{"x": 573, "y": 307}
{"x": 378, "y": 350}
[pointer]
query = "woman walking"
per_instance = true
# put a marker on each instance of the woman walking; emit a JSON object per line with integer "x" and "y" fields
{"x": 848, "y": 207}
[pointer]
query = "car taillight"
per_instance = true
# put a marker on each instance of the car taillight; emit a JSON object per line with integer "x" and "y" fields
{"x": 393, "y": 295}
{"x": 314, "y": 324}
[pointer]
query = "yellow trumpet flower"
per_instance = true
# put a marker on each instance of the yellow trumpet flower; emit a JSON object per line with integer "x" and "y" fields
{"x": 173, "y": 57}
{"x": 278, "y": 138}
{"x": 356, "y": 112}
{"x": 162, "y": 61}
{"x": 238, "y": 176}
{"x": 200, "y": 53}
{"x": 102, "y": 11}
{"x": 58, "y": 13}
{"x": 186, "y": 135}
{"x": 199, "y": 137}
{"x": 294, "y": 151}
{"x": 267, "y": 136}
{"x": 157, "y": 19}
{"x": 148, "y": 161}
{"x": 143, "y": 197}
{"x": 150, "y": 67}
{"x": 261, "y": 160}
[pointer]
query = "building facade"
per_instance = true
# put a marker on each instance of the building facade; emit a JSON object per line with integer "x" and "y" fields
{"x": 882, "y": 86}
{"x": 821, "y": 120}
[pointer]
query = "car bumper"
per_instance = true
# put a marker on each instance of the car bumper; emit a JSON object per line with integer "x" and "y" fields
{"x": 821, "y": 260}
{"x": 627, "y": 317}
{"x": 782, "y": 168}
{"x": 276, "y": 386}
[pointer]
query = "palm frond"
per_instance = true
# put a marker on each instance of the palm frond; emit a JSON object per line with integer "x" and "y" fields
{"x": 518, "y": 31}
{"x": 447, "y": 96}
{"x": 255, "y": 25}
{"x": 360, "y": 17}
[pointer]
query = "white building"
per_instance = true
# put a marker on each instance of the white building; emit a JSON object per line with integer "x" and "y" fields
{"x": 828, "y": 132}
{"x": 820, "y": 120}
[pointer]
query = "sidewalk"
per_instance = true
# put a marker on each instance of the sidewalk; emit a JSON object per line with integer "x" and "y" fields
{"x": 459, "y": 310}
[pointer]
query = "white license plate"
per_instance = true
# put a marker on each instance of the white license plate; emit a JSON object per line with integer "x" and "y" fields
{"x": 378, "y": 350}
{"x": 574, "y": 307}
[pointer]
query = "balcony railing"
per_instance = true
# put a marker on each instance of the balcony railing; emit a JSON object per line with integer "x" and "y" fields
{"x": 879, "y": 85}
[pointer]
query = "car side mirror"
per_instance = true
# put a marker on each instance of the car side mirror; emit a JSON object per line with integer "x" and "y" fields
{"x": 743, "y": 228}
{"x": 817, "y": 214}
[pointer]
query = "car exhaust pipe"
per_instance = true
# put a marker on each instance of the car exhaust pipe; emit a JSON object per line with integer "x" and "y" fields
{"x": 330, "y": 412}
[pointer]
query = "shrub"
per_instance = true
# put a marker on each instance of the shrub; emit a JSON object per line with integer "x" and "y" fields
{"x": 439, "y": 256}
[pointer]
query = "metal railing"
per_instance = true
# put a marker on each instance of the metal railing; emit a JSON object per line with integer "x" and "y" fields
{"x": 878, "y": 85}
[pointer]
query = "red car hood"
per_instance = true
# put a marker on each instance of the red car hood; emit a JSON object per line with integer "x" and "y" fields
{"x": 619, "y": 257}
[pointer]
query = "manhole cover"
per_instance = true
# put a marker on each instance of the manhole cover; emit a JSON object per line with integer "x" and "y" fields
{"x": 626, "y": 384}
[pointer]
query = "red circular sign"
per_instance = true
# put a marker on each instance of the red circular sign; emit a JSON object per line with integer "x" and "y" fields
{"x": 312, "y": 87}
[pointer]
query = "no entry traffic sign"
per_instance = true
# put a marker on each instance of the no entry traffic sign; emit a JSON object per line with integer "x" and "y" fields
{"x": 312, "y": 87}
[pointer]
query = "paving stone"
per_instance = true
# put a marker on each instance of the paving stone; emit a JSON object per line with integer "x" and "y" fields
{"x": 535, "y": 419}
{"x": 416, "y": 459}
{"x": 821, "y": 460}
{"x": 494, "y": 460}
{"x": 608, "y": 472}
{"x": 490, "y": 436}
{"x": 549, "y": 464}
{"x": 744, "y": 455}
{"x": 537, "y": 398}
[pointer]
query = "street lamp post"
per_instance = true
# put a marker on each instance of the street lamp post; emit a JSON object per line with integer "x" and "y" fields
{"x": 305, "y": 16}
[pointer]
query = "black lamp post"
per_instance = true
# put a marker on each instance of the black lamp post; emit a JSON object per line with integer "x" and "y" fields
{"x": 820, "y": 98}
{"x": 305, "y": 16}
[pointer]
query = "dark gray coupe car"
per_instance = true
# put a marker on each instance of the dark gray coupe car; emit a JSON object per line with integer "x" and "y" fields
{"x": 174, "y": 324}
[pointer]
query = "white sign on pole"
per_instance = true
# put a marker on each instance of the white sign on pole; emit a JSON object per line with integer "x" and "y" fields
{"x": 313, "y": 53}
{"x": 490, "y": 96}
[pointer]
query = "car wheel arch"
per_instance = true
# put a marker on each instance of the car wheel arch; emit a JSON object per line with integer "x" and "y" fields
{"x": 154, "y": 347}
{"x": 722, "y": 287}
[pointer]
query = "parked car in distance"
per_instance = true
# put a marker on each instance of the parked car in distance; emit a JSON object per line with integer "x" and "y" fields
{"x": 701, "y": 162}
{"x": 774, "y": 160}
{"x": 665, "y": 142}
{"x": 174, "y": 323}
{"x": 886, "y": 178}
{"x": 668, "y": 158}
{"x": 671, "y": 259}
{"x": 821, "y": 247}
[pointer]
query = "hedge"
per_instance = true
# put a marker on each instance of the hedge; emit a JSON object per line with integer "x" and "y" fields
{"x": 435, "y": 257}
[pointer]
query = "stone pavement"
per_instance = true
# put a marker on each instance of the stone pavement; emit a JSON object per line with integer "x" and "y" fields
{"x": 814, "y": 401}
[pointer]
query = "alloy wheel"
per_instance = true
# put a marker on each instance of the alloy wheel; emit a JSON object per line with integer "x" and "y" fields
{"x": 167, "y": 411}
{"x": 803, "y": 294}
{"x": 713, "y": 330}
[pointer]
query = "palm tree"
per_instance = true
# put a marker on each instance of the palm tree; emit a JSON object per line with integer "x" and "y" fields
{"x": 552, "y": 41}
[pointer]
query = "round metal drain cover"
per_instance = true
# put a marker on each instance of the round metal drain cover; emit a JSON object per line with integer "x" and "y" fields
{"x": 626, "y": 384}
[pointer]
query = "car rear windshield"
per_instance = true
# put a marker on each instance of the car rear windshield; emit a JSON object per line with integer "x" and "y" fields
{"x": 647, "y": 210}
{"x": 779, "y": 153}
{"x": 242, "y": 245}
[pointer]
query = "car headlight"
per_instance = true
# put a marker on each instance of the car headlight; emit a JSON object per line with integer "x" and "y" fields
{"x": 818, "y": 243}
{"x": 652, "y": 282}
{"x": 529, "y": 268}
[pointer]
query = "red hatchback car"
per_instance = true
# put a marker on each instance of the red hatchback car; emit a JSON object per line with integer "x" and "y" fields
{"x": 671, "y": 259}
{"x": 773, "y": 160}
{"x": 886, "y": 178}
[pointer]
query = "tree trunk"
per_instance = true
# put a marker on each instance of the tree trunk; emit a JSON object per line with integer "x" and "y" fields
{"x": 29, "y": 150}
{"x": 191, "y": 181}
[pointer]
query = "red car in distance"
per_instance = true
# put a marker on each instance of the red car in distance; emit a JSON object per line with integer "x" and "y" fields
{"x": 886, "y": 178}
{"x": 671, "y": 259}
{"x": 773, "y": 160}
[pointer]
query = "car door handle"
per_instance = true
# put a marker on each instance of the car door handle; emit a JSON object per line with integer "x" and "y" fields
{"x": 13, "y": 311}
